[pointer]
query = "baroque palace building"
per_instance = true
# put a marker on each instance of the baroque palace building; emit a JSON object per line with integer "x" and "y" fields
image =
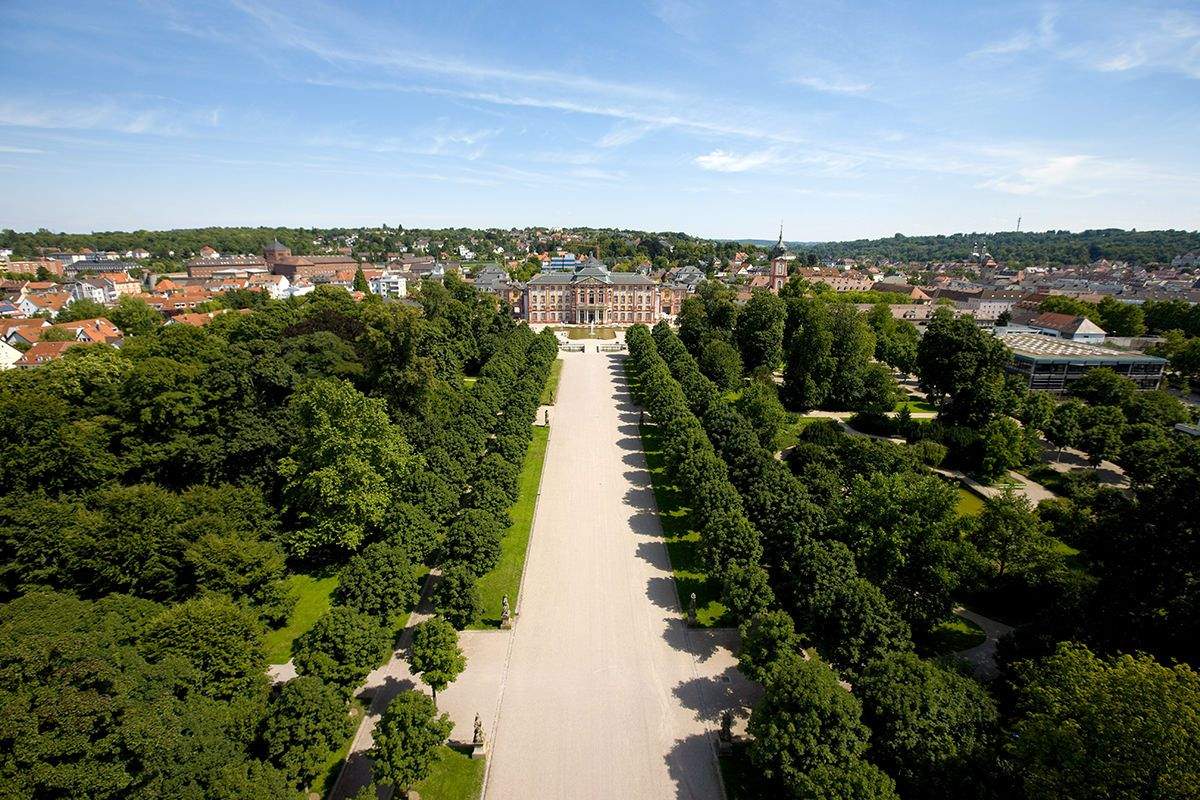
{"x": 590, "y": 293}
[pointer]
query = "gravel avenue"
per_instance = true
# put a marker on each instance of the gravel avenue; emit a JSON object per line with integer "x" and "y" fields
{"x": 603, "y": 695}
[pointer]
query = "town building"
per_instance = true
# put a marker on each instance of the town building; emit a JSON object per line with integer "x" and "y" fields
{"x": 592, "y": 294}
{"x": 1067, "y": 326}
{"x": 41, "y": 352}
{"x": 208, "y": 266}
{"x": 1052, "y": 365}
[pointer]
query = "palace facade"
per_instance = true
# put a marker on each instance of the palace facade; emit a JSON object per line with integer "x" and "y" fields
{"x": 590, "y": 293}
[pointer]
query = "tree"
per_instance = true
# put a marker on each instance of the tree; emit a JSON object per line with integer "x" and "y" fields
{"x": 1002, "y": 447}
{"x": 746, "y": 590}
{"x": 1121, "y": 319}
{"x": 1100, "y": 386}
{"x": 221, "y": 640}
{"x": 961, "y": 368}
{"x": 456, "y": 596}
{"x": 720, "y": 362}
{"x": 767, "y": 638}
{"x": 1010, "y": 534}
{"x": 903, "y": 530}
{"x": 853, "y": 345}
{"x": 810, "y": 361}
{"x": 406, "y": 740}
{"x": 435, "y": 655}
{"x": 343, "y": 466}
{"x": 380, "y": 581}
{"x": 1126, "y": 727}
{"x": 134, "y": 317}
{"x": 1101, "y": 431}
{"x": 760, "y": 405}
{"x": 306, "y": 722}
{"x": 895, "y": 340}
{"x": 360, "y": 281}
{"x": 474, "y": 540}
{"x": 847, "y": 616}
{"x": 1063, "y": 429}
{"x": 807, "y": 724}
{"x": 82, "y": 308}
{"x": 759, "y": 331}
{"x": 341, "y": 647}
{"x": 932, "y": 729}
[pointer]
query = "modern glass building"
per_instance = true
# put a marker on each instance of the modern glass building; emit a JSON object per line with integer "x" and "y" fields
{"x": 1052, "y": 364}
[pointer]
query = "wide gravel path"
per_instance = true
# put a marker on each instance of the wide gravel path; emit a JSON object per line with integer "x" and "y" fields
{"x": 606, "y": 694}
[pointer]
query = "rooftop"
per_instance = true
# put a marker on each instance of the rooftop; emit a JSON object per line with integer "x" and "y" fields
{"x": 1050, "y": 348}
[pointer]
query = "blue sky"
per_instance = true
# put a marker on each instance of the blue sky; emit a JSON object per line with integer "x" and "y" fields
{"x": 719, "y": 118}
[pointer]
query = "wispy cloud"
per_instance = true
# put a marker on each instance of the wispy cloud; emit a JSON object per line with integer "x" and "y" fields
{"x": 1042, "y": 36}
{"x": 624, "y": 134}
{"x": 832, "y": 85}
{"x": 134, "y": 116}
{"x": 1111, "y": 38}
{"x": 723, "y": 161}
{"x": 4, "y": 148}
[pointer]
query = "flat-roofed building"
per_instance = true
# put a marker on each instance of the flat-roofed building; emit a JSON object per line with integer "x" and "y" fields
{"x": 1052, "y": 365}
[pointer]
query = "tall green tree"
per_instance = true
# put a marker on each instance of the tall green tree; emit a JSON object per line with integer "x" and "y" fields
{"x": 1122, "y": 728}
{"x": 933, "y": 730}
{"x": 406, "y": 740}
{"x": 807, "y": 725}
{"x": 961, "y": 368}
{"x": 306, "y": 722}
{"x": 759, "y": 331}
{"x": 346, "y": 460}
{"x": 435, "y": 655}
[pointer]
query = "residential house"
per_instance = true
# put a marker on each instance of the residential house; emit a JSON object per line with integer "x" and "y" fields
{"x": 41, "y": 352}
{"x": 50, "y": 304}
{"x": 93, "y": 331}
{"x": 1066, "y": 326}
{"x": 9, "y": 356}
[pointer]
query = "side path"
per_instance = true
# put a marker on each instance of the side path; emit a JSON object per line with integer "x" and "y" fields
{"x": 606, "y": 692}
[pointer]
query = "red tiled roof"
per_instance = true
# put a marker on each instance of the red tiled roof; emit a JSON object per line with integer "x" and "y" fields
{"x": 41, "y": 352}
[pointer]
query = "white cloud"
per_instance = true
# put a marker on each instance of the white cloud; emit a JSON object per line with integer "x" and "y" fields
{"x": 833, "y": 85}
{"x": 4, "y": 148}
{"x": 723, "y": 161}
{"x": 624, "y": 134}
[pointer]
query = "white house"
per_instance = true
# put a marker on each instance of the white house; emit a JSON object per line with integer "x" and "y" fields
{"x": 389, "y": 284}
{"x": 8, "y": 356}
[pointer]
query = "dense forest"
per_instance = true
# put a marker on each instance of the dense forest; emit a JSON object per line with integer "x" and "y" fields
{"x": 158, "y": 503}
{"x": 1016, "y": 248}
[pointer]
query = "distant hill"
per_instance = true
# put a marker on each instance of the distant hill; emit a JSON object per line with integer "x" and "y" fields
{"x": 1025, "y": 248}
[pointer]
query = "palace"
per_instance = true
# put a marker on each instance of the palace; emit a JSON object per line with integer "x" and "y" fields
{"x": 592, "y": 294}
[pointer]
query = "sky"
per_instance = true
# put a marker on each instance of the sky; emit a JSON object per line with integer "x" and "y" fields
{"x": 722, "y": 119}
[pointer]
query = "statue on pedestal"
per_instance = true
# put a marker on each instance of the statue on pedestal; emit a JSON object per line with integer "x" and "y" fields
{"x": 725, "y": 737}
{"x": 505, "y": 613}
{"x": 478, "y": 745}
{"x": 692, "y": 609}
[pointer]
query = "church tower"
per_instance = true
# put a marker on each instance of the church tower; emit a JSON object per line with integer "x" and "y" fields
{"x": 781, "y": 259}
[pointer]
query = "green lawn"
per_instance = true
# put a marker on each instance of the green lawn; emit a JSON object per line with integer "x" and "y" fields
{"x": 505, "y": 578}
{"x": 585, "y": 332}
{"x": 790, "y": 435}
{"x": 914, "y": 405}
{"x": 314, "y": 593}
{"x": 955, "y": 634}
{"x": 969, "y": 503}
{"x": 683, "y": 544}
{"x": 329, "y": 770}
{"x": 550, "y": 390}
{"x": 455, "y": 776}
